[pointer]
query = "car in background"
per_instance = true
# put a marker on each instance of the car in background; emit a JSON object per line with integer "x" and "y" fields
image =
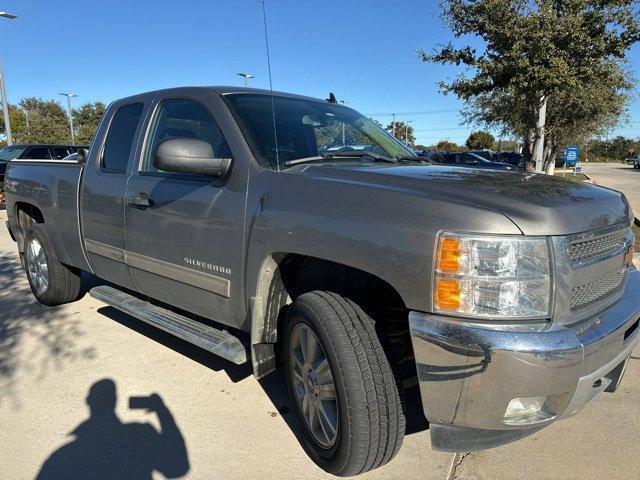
{"x": 34, "y": 152}
{"x": 512, "y": 158}
{"x": 473, "y": 160}
{"x": 431, "y": 156}
{"x": 632, "y": 161}
{"x": 463, "y": 159}
{"x": 636, "y": 162}
{"x": 486, "y": 154}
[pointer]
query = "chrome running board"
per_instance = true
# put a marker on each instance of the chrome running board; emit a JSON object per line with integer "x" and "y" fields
{"x": 219, "y": 342}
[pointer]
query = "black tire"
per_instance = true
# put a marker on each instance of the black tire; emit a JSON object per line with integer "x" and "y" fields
{"x": 63, "y": 281}
{"x": 371, "y": 420}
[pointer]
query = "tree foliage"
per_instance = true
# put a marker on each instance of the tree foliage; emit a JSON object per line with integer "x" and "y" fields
{"x": 402, "y": 131}
{"x": 480, "y": 141}
{"x": 542, "y": 56}
{"x": 86, "y": 120}
{"x": 615, "y": 149}
{"x": 447, "y": 146}
{"x": 35, "y": 120}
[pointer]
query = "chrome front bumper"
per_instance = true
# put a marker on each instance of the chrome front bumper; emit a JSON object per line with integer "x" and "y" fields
{"x": 469, "y": 374}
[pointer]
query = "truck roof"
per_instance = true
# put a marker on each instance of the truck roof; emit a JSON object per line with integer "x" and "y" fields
{"x": 222, "y": 90}
{"x": 45, "y": 145}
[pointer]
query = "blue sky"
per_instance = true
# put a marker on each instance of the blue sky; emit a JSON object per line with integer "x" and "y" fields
{"x": 364, "y": 51}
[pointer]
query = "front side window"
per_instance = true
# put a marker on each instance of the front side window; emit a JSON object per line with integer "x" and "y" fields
{"x": 182, "y": 118}
{"x": 119, "y": 141}
{"x": 307, "y": 128}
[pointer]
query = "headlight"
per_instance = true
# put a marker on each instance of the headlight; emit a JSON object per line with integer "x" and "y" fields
{"x": 492, "y": 277}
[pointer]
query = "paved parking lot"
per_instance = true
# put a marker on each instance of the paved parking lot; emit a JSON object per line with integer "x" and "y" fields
{"x": 233, "y": 426}
{"x": 616, "y": 175}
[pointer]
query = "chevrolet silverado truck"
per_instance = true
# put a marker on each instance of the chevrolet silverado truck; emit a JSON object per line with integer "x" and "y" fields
{"x": 294, "y": 233}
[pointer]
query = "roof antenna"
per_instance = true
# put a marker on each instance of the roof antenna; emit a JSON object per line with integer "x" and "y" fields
{"x": 273, "y": 108}
{"x": 332, "y": 98}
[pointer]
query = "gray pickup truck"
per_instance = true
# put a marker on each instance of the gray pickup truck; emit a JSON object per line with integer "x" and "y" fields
{"x": 281, "y": 229}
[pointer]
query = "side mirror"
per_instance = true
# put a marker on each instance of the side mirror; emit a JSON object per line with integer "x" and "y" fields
{"x": 188, "y": 155}
{"x": 82, "y": 155}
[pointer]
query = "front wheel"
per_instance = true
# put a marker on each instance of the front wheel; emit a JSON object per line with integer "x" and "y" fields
{"x": 345, "y": 395}
{"x": 52, "y": 282}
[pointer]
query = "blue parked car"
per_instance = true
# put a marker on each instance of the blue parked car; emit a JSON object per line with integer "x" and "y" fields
{"x": 473, "y": 160}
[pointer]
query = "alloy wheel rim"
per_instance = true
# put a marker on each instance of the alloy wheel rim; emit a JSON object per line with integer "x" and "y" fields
{"x": 37, "y": 266}
{"x": 313, "y": 385}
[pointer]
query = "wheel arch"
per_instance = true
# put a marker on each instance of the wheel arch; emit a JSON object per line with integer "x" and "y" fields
{"x": 283, "y": 276}
{"x": 26, "y": 214}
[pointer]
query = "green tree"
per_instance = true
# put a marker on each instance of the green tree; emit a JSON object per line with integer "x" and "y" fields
{"x": 402, "y": 131}
{"x": 86, "y": 120}
{"x": 447, "y": 146}
{"x": 573, "y": 116}
{"x": 535, "y": 52}
{"x": 480, "y": 140}
{"x": 615, "y": 149}
{"x": 35, "y": 120}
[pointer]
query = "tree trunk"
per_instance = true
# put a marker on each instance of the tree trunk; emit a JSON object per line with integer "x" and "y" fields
{"x": 526, "y": 151}
{"x": 546, "y": 153}
{"x": 538, "y": 143}
{"x": 553, "y": 156}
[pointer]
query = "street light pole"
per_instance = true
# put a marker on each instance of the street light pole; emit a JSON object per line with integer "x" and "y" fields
{"x": 69, "y": 95}
{"x": 393, "y": 125}
{"x": 246, "y": 76}
{"x": 3, "y": 90}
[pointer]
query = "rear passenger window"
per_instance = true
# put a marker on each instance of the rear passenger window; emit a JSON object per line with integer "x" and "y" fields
{"x": 181, "y": 118}
{"x": 117, "y": 146}
{"x": 37, "y": 153}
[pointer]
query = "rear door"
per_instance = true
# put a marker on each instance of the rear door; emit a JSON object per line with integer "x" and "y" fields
{"x": 104, "y": 189}
{"x": 185, "y": 247}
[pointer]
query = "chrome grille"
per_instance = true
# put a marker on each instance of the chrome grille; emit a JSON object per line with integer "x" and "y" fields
{"x": 585, "y": 294}
{"x": 596, "y": 247}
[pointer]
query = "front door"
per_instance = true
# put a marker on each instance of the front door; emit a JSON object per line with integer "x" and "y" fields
{"x": 184, "y": 233}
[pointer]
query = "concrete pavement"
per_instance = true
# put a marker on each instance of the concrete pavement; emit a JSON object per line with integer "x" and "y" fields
{"x": 233, "y": 426}
{"x": 618, "y": 176}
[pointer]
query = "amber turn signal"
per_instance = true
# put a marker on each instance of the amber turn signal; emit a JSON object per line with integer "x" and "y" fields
{"x": 447, "y": 295}
{"x": 448, "y": 255}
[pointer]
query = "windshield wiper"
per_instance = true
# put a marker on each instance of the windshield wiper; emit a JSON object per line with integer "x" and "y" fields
{"x": 342, "y": 155}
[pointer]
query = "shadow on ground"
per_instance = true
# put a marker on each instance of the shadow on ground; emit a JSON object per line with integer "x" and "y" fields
{"x": 53, "y": 332}
{"x": 104, "y": 447}
{"x": 273, "y": 385}
{"x": 235, "y": 372}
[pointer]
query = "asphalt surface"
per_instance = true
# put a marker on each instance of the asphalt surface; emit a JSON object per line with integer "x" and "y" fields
{"x": 218, "y": 422}
{"x": 618, "y": 176}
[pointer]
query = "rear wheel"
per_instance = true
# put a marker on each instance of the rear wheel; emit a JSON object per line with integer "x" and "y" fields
{"x": 52, "y": 282}
{"x": 344, "y": 393}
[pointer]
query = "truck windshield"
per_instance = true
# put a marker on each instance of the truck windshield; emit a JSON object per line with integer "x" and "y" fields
{"x": 9, "y": 153}
{"x": 306, "y": 129}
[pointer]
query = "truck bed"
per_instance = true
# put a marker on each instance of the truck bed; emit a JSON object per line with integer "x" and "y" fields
{"x": 53, "y": 186}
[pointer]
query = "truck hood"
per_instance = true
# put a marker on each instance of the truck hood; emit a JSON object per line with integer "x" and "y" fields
{"x": 538, "y": 204}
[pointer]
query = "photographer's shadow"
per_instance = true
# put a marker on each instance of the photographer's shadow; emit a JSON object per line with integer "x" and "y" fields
{"x": 106, "y": 448}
